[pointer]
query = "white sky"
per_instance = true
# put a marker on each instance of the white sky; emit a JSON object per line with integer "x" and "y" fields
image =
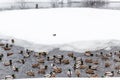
{"x": 69, "y": 24}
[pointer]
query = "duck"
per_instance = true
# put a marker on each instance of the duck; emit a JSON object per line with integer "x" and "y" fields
{"x": 21, "y": 61}
{"x": 117, "y": 67}
{"x": 35, "y": 65}
{"x": 117, "y": 60}
{"x": 94, "y": 76}
{"x": 69, "y": 73}
{"x": 43, "y": 53}
{"x": 26, "y": 55}
{"x": 52, "y": 74}
{"x": 89, "y": 70}
{"x": 47, "y": 75}
{"x": 107, "y": 64}
{"x": 10, "y": 77}
{"x": 6, "y": 48}
{"x": 57, "y": 70}
{"x": 15, "y": 68}
{"x": 9, "y": 54}
{"x": 87, "y": 53}
{"x": 50, "y": 58}
{"x": 30, "y": 73}
{"x": 1, "y": 56}
{"x": 21, "y": 52}
{"x": 77, "y": 72}
{"x": 109, "y": 55}
{"x": 71, "y": 54}
{"x": 83, "y": 66}
{"x": 66, "y": 61}
{"x": 41, "y": 71}
{"x": 96, "y": 62}
{"x": 8, "y": 63}
{"x": 109, "y": 74}
{"x": 88, "y": 60}
{"x": 94, "y": 67}
{"x": 13, "y": 41}
{"x": 41, "y": 60}
{"x": 118, "y": 71}
{"x": 2, "y": 44}
{"x": 105, "y": 58}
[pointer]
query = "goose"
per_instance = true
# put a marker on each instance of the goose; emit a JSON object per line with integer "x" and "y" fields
{"x": 30, "y": 73}
{"x": 109, "y": 74}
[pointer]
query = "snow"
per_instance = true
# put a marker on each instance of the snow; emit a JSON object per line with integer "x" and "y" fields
{"x": 77, "y": 29}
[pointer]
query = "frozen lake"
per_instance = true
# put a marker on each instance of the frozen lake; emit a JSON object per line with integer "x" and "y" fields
{"x": 69, "y": 25}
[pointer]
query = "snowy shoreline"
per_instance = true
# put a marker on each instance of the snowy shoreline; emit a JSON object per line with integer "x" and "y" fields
{"x": 78, "y": 46}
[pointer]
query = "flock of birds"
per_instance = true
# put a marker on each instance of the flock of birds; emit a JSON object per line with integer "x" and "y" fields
{"x": 87, "y": 64}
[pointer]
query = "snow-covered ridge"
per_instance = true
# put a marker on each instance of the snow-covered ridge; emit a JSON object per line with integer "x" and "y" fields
{"x": 78, "y": 46}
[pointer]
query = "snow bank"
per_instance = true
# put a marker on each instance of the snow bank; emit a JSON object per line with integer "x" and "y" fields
{"x": 79, "y": 46}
